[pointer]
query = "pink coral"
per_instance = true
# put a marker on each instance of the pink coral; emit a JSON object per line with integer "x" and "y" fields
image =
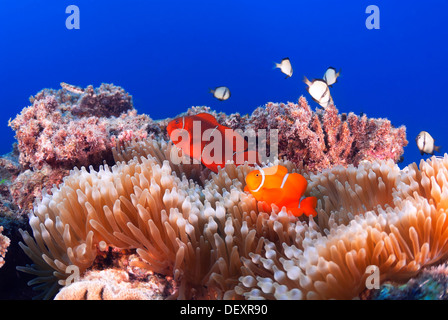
{"x": 67, "y": 128}
{"x": 105, "y": 101}
{"x": 323, "y": 139}
{"x": 29, "y": 184}
{"x": 315, "y": 140}
{"x": 4, "y": 244}
{"x": 115, "y": 284}
{"x": 63, "y": 129}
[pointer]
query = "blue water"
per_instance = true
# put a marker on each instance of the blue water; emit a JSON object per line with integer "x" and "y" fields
{"x": 167, "y": 54}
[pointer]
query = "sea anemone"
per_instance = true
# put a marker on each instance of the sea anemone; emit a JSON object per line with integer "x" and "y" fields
{"x": 374, "y": 215}
{"x": 220, "y": 243}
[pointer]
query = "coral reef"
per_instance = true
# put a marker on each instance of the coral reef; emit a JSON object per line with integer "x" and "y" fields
{"x": 29, "y": 184}
{"x": 106, "y": 101}
{"x": 198, "y": 233}
{"x": 4, "y": 244}
{"x": 64, "y": 129}
{"x": 217, "y": 242}
{"x": 67, "y": 128}
{"x": 321, "y": 139}
{"x": 398, "y": 234}
{"x": 114, "y": 284}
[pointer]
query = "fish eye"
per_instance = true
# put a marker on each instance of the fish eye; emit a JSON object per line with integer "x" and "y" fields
{"x": 177, "y": 121}
{"x": 257, "y": 175}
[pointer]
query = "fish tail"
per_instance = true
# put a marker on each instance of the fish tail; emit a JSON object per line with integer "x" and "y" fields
{"x": 308, "y": 82}
{"x": 308, "y": 206}
{"x": 437, "y": 148}
{"x": 296, "y": 212}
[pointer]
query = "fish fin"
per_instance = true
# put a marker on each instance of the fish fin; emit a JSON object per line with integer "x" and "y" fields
{"x": 308, "y": 82}
{"x": 437, "y": 148}
{"x": 308, "y": 205}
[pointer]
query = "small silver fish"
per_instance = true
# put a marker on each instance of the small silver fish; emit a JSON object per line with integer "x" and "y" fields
{"x": 331, "y": 76}
{"x": 285, "y": 67}
{"x": 319, "y": 91}
{"x": 425, "y": 143}
{"x": 71, "y": 88}
{"x": 221, "y": 93}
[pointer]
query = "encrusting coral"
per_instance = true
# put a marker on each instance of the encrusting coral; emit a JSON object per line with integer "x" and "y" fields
{"x": 71, "y": 127}
{"x": 4, "y": 244}
{"x": 141, "y": 205}
{"x": 317, "y": 140}
{"x": 324, "y": 139}
{"x": 218, "y": 242}
{"x": 113, "y": 284}
{"x": 63, "y": 129}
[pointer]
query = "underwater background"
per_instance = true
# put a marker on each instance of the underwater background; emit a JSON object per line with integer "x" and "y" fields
{"x": 167, "y": 54}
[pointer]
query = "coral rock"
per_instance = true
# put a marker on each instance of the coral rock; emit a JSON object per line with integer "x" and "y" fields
{"x": 316, "y": 140}
{"x": 430, "y": 284}
{"x": 323, "y": 139}
{"x": 4, "y": 244}
{"x": 113, "y": 284}
{"x": 106, "y": 101}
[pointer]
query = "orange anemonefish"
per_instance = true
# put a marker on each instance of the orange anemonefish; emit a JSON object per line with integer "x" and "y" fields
{"x": 275, "y": 185}
{"x": 201, "y": 137}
